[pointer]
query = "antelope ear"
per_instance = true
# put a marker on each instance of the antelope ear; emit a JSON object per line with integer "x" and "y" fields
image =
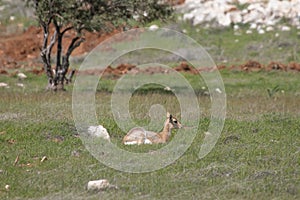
{"x": 168, "y": 115}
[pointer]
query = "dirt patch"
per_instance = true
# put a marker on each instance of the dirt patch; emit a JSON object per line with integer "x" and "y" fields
{"x": 251, "y": 66}
{"x": 22, "y": 51}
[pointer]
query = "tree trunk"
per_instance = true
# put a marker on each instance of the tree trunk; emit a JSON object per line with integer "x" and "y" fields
{"x": 58, "y": 77}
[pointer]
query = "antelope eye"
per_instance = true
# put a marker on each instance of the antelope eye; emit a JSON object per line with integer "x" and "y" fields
{"x": 175, "y": 121}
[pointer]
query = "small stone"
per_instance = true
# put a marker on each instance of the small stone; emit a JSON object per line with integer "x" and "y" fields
{"x": 261, "y": 31}
{"x": 248, "y": 32}
{"x": 207, "y": 133}
{"x": 285, "y": 28}
{"x": 20, "y": 85}
{"x": 99, "y": 131}
{"x": 98, "y": 184}
{"x": 218, "y": 90}
{"x": 153, "y": 27}
{"x": 4, "y": 85}
{"x": 21, "y": 75}
{"x": 7, "y": 187}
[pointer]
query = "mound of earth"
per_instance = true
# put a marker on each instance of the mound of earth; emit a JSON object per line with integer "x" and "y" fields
{"x": 22, "y": 51}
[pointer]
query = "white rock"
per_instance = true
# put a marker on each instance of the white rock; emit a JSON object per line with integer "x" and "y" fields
{"x": 285, "y": 28}
{"x": 153, "y": 27}
{"x": 147, "y": 141}
{"x": 218, "y": 90}
{"x": 257, "y": 11}
{"x": 20, "y": 85}
{"x": 99, "y": 131}
{"x": 7, "y": 187}
{"x": 236, "y": 17}
{"x": 248, "y": 32}
{"x": 207, "y": 133}
{"x": 269, "y": 28}
{"x": 236, "y": 27}
{"x": 98, "y": 184}
{"x": 21, "y": 75}
{"x": 188, "y": 16}
{"x": 261, "y": 31}
{"x": 224, "y": 20}
{"x": 131, "y": 143}
{"x": 3, "y": 85}
{"x": 253, "y": 26}
{"x": 167, "y": 88}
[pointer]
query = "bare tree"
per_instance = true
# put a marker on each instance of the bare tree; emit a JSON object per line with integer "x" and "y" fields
{"x": 85, "y": 15}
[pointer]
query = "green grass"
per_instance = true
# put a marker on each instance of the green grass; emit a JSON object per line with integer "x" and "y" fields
{"x": 226, "y": 47}
{"x": 256, "y": 157}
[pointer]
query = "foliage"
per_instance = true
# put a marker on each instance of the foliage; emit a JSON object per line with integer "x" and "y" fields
{"x": 80, "y": 15}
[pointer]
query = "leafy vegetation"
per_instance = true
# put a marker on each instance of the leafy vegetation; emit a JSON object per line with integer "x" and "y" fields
{"x": 89, "y": 16}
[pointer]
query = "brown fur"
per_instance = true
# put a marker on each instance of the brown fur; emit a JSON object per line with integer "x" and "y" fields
{"x": 141, "y": 136}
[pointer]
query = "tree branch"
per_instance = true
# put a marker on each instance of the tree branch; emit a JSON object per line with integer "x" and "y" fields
{"x": 76, "y": 41}
{"x": 59, "y": 45}
{"x": 74, "y": 44}
{"x": 50, "y": 46}
{"x": 66, "y": 29}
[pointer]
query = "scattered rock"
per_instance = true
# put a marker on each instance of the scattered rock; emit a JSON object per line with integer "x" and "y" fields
{"x": 7, "y": 187}
{"x": 99, "y": 185}
{"x": 207, "y": 133}
{"x": 153, "y": 27}
{"x": 99, "y": 131}
{"x": 21, "y": 76}
{"x": 168, "y": 89}
{"x": 20, "y": 85}
{"x": 4, "y": 85}
{"x": 285, "y": 28}
{"x": 218, "y": 90}
{"x": 225, "y": 13}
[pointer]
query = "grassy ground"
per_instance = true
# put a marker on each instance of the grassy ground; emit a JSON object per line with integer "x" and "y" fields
{"x": 227, "y": 46}
{"x": 256, "y": 157}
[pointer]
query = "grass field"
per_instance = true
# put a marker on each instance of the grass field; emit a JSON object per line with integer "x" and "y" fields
{"x": 256, "y": 157}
